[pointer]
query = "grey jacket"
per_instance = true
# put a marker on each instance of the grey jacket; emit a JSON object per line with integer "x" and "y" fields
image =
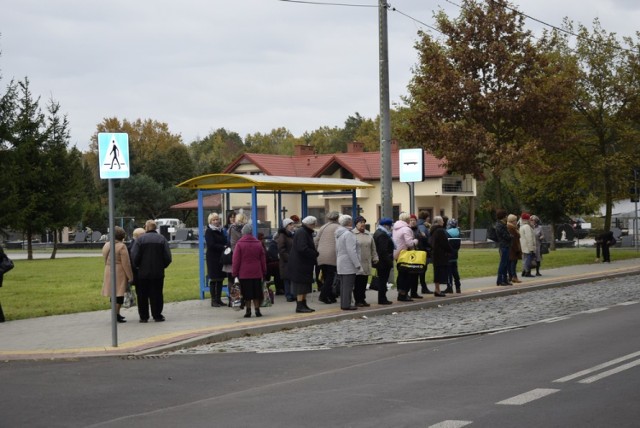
{"x": 347, "y": 252}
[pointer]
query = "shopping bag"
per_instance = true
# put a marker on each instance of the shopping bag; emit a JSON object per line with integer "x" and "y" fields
{"x": 412, "y": 261}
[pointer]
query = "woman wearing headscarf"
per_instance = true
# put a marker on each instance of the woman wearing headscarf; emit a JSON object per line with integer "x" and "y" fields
{"x": 538, "y": 234}
{"x": 384, "y": 247}
{"x": 124, "y": 273}
{"x": 250, "y": 266}
{"x": 302, "y": 262}
{"x": 284, "y": 239}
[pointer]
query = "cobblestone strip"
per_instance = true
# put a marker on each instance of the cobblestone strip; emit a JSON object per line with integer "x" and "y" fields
{"x": 469, "y": 317}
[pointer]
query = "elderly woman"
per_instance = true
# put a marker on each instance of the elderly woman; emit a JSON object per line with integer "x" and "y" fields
{"x": 515, "y": 251}
{"x": 404, "y": 239}
{"x": 368, "y": 258}
{"x": 215, "y": 242}
{"x": 124, "y": 273}
{"x": 284, "y": 239}
{"x": 348, "y": 261}
{"x": 302, "y": 261}
{"x": 250, "y": 266}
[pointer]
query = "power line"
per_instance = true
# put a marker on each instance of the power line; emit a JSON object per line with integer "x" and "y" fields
{"x": 319, "y": 3}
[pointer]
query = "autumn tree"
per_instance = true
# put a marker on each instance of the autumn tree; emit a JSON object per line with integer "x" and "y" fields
{"x": 214, "y": 152}
{"x": 486, "y": 92}
{"x": 279, "y": 141}
{"x": 607, "y": 105}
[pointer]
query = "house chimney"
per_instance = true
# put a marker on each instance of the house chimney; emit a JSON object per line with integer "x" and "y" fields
{"x": 394, "y": 146}
{"x": 355, "y": 147}
{"x": 303, "y": 150}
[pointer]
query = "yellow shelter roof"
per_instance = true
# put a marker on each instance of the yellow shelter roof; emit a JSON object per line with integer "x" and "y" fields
{"x": 270, "y": 182}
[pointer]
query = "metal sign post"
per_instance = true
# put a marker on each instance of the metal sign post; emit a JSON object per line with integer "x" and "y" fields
{"x": 113, "y": 161}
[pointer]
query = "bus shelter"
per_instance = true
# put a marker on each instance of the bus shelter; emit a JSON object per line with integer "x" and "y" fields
{"x": 256, "y": 184}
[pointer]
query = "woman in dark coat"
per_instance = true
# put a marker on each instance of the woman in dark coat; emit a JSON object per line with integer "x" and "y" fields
{"x": 302, "y": 261}
{"x": 384, "y": 247}
{"x": 284, "y": 239}
{"x": 215, "y": 241}
{"x": 440, "y": 252}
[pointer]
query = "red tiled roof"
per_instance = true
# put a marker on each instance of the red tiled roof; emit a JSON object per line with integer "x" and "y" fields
{"x": 208, "y": 202}
{"x": 363, "y": 165}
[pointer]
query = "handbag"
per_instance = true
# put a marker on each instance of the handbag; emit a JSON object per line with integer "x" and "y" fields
{"x": 227, "y": 256}
{"x": 235, "y": 296}
{"x": 335, "y": 287}
{"x": 5, "y": 265}
{"x": 129, "y": 298}
{"x": 375, "y": 283}
{"x": 412, "y": 261}
{"x": 267, "y": 296}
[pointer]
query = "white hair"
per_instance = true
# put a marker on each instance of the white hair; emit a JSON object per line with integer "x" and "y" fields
{"x": 345, "y": 220}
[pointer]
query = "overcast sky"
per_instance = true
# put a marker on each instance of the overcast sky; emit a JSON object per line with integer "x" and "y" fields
{"x": 244, "y": 65}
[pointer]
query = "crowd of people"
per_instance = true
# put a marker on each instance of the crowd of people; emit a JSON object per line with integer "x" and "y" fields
{"x": 343, "y": 257}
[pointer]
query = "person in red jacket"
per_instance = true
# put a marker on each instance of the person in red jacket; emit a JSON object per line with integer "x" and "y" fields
{"x": 249, "y": 265}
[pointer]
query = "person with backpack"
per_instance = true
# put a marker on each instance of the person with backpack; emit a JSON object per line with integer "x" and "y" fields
{"x": 503, "y": 239}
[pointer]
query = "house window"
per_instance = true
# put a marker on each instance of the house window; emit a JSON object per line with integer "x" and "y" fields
{"x": 395, "y": 209}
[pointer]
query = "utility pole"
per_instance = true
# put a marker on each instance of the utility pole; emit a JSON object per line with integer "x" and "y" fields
{"x": 386, "y": 199}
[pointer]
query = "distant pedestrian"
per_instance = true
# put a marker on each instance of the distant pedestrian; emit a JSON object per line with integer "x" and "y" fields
{"x": 368, "y": 258}
{"x": 423, "y": 227}
{"x": 455, "y": 242}
{"x": 124, "y": 273}
{"x": 250, "y": 267}
{"x": 384, "y": 247}
{"x": 504, "y": 246}
{"x": 515, "y": 250}
{"x": 215, "y": 242}
{"x": 151, "y": 255}
{"x": 404, "y": 239}
{"x": 5, "y": 261}
{"x": 441, "y": 251}
{"x": 325, "y": 241}
{"x": 302, "y": 262}
{"x": 527, "y": 243}
{"x": 539, "y": 236}
{"x": 348, "y": 261}
{"x": 603, "y": 242}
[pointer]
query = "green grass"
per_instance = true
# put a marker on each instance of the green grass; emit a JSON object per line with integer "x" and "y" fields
{"x": 43, "y": 287}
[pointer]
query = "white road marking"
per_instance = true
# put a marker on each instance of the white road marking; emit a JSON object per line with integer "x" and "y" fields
{"x": 598, "y": 367}
{"x": 556, "y": 319}
{"x": 527, "y": 397}
{"x": 611, "y": 372}
{"x": 593, "y": 311}
{"x": 302, "y": 349}
{"x": 450, "y": 424}
{"x": 627, "y": 303}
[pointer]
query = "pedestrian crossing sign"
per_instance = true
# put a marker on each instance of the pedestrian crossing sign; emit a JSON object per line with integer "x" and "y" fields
{"x": 113, "y": 155}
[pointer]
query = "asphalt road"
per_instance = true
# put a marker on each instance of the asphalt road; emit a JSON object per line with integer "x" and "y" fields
{"x": 528, "y": 377}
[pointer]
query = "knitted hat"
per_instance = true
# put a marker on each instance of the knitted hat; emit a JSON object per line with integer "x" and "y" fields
{"x": 413, "y": 216}
{"x": 386, "y": 221}
{"x": 452, "y": 223}
{"x": 309, "y": 220}
{"x": 525, "y": 216}
{"x": 286, "y": 222}
{"x": 359, "y": 219}
{"x": 295, "y": 218}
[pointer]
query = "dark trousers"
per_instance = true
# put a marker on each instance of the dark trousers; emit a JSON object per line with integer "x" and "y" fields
{"x": 328, "y": 276}
{"x": 383, "y": 275}
{"x": 149, "y": 292}
{"x": 503, "y": 266}
{"x": 360, "y": 288}
{"x": 454, "y": 275}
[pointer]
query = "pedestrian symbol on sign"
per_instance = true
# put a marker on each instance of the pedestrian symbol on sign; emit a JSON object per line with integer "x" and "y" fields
{"x": 114, "y": 155}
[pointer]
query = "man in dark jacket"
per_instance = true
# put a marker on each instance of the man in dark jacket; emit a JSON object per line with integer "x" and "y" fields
{"x": 504, "y": 245}
{"x": 151, "y": 256}
{"x": 440, "y": 253}
{"x": 384, "y": 247}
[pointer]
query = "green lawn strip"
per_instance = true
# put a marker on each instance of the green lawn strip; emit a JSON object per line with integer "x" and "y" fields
{"x": 43, "y": 287}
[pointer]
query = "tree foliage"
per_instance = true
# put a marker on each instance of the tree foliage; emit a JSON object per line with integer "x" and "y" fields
{"x": 487, "y": 93}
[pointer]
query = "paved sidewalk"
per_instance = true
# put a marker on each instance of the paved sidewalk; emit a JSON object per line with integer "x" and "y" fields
{"x": 194, "y": 322}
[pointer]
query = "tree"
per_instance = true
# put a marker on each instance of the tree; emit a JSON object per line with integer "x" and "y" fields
{"x": 607, "y": 106}
{"x": 279, "y": 141}
{"x": 486, "y": 93}
{"x": 213, "y": 153}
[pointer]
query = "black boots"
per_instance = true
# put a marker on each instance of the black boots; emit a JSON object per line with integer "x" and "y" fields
{"x": 302, "y": 308}
{"x": 1, "y": 314}
{"x": 215, "y": 289}
{"x": 247, "y": 313}
{"x": 538, "y": 270}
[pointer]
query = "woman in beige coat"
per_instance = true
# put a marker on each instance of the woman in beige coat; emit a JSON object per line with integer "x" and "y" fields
{"x": 124, "y": 273}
